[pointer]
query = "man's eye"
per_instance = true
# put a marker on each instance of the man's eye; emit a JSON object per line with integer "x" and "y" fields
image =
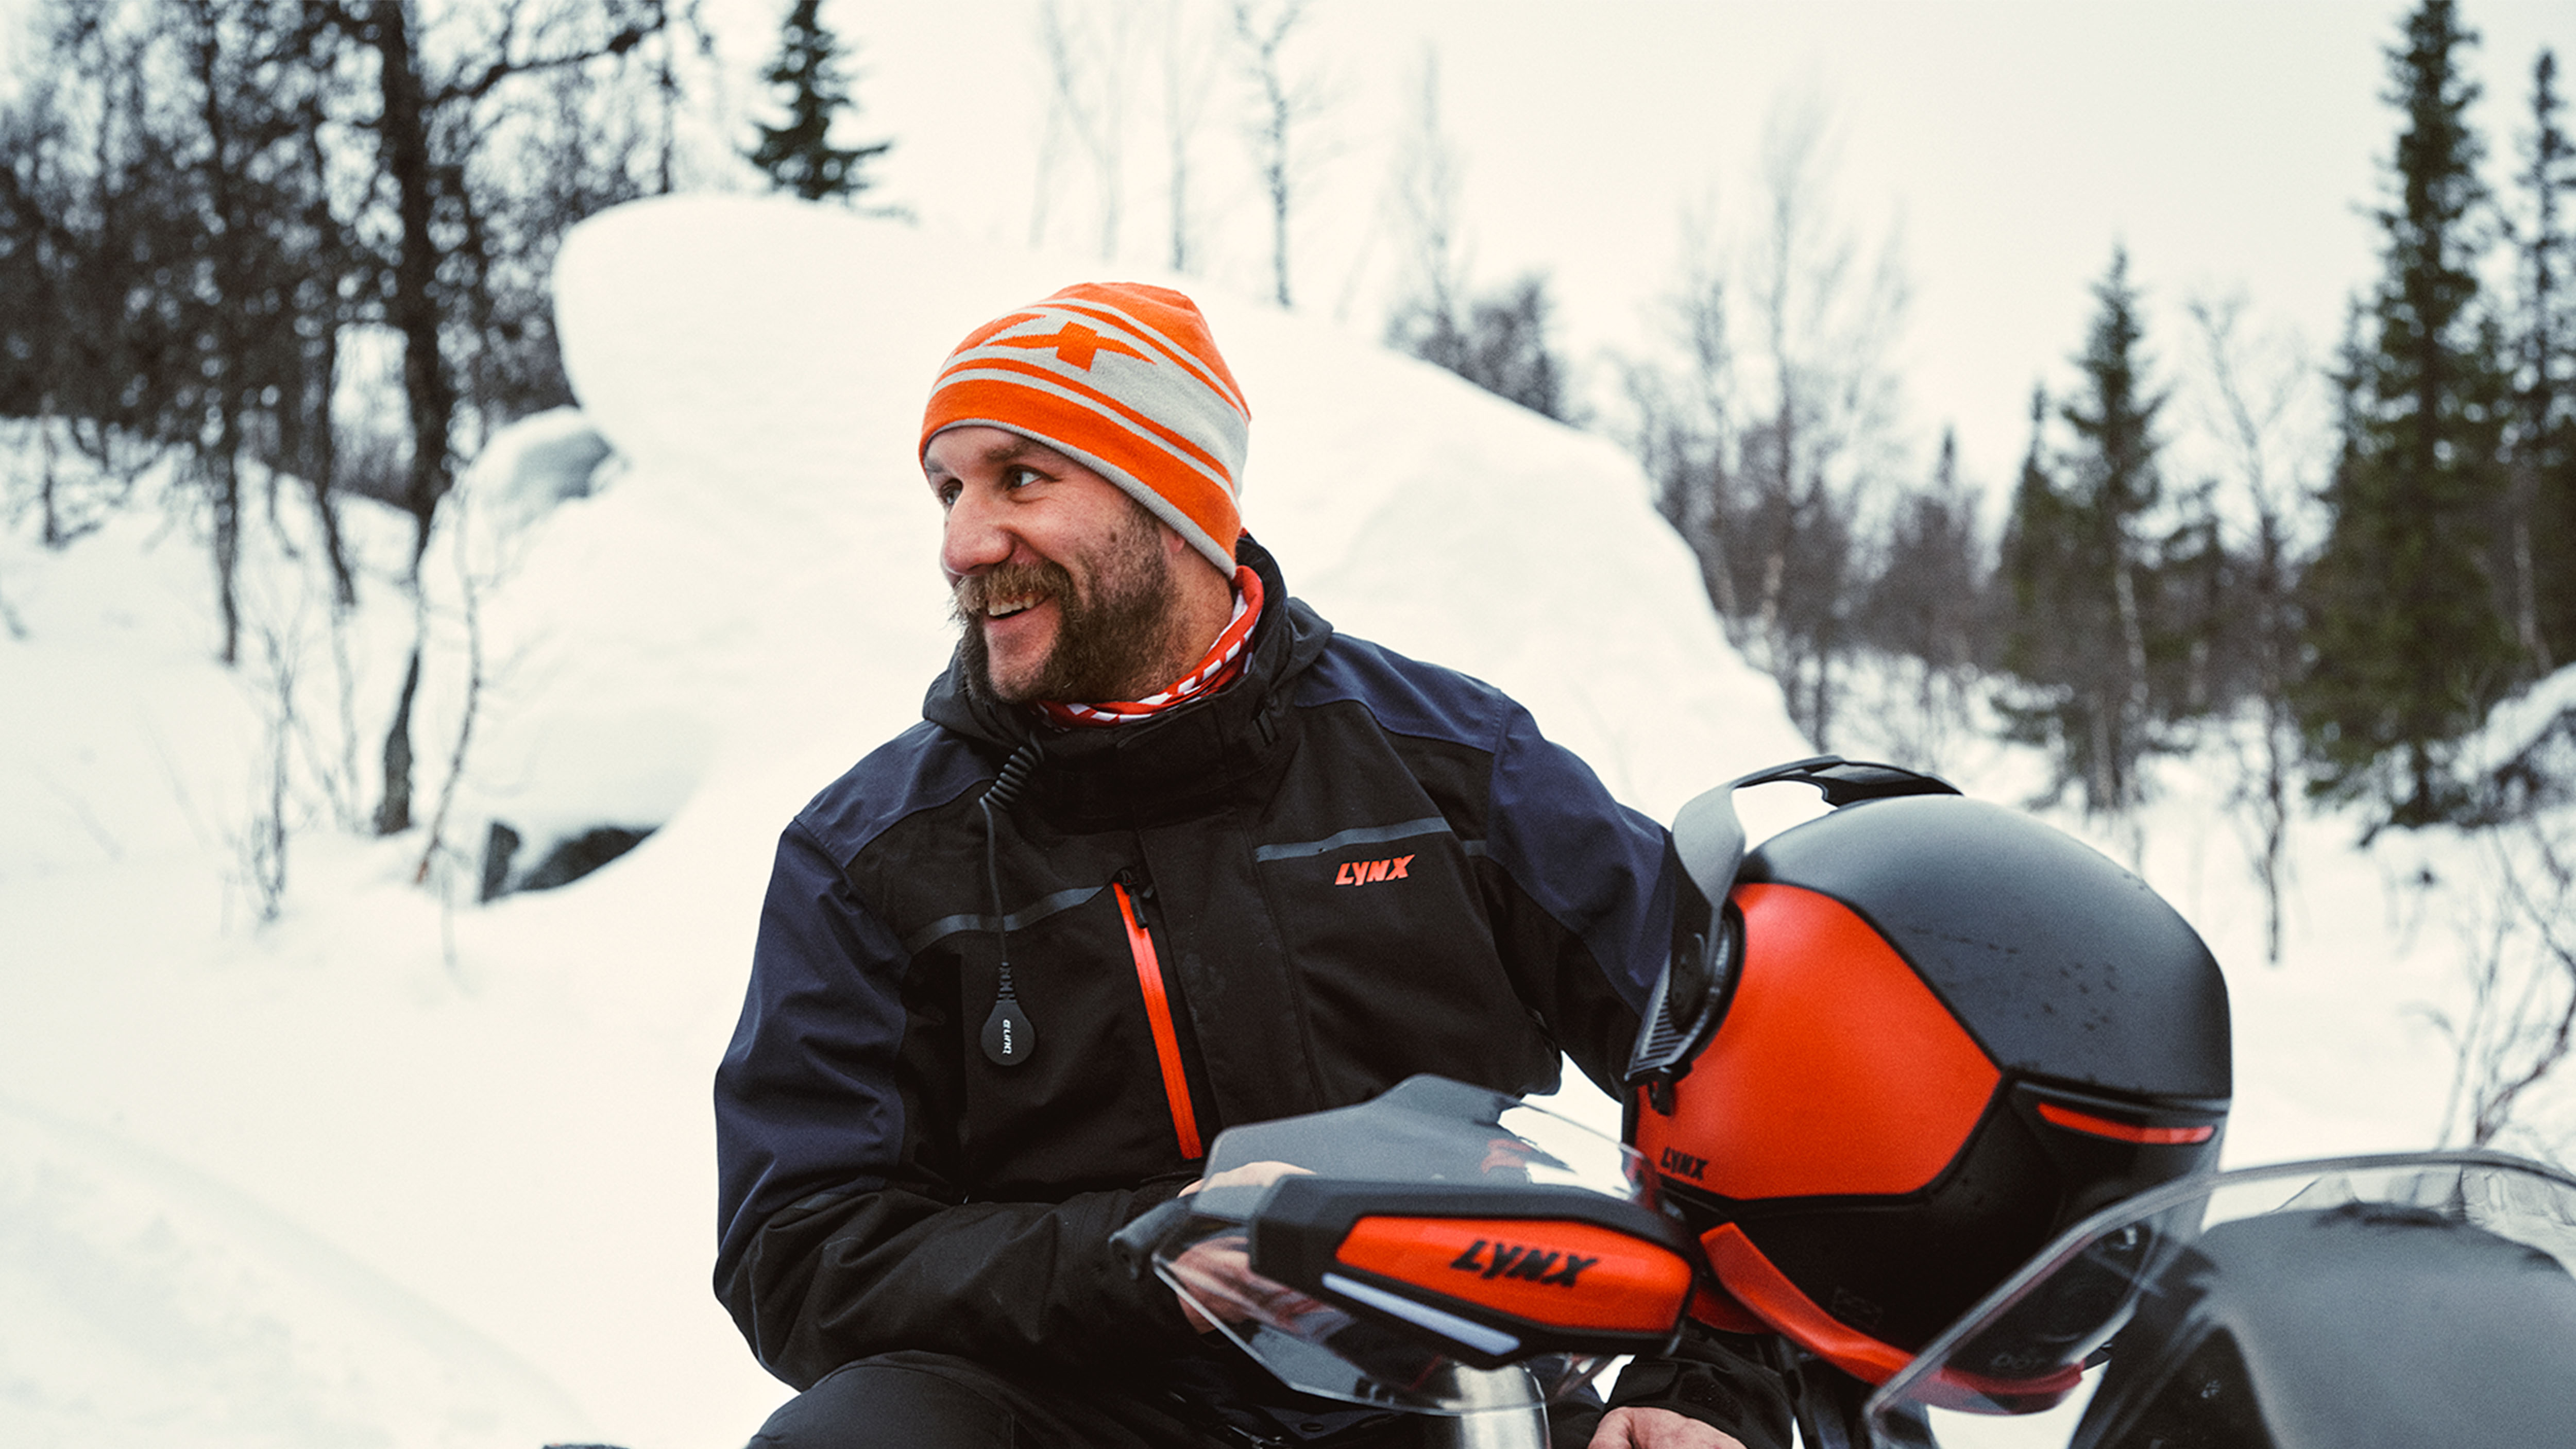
{"x": 1021, "y": 477}
{"x": 946, "y": 493}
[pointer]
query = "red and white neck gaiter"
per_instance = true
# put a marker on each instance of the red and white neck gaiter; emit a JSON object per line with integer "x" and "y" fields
{"x": 1224, "y": 660}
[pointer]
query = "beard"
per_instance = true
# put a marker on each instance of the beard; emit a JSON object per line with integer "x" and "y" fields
{"x": 1117, "y": 628}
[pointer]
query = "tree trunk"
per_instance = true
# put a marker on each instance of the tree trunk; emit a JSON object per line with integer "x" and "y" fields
{"x": 2133, "y": 700}
{"x": 412, "y": 307}
{"x": 2526, "y": 598}
{"x": 317, "y": 454}
{"x": 319, "y": 460}
{"x": 393, "y": 812}
{"x": 223, "y": 495}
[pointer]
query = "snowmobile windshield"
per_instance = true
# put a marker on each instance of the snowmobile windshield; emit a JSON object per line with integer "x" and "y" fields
{"x": 2351, "y": 1303}
{"x": 1442, "y": 1249}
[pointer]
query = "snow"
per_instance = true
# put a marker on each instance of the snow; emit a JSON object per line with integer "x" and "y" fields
{"x": 161, "y": 1305}
{"x": 363, "y": 1162}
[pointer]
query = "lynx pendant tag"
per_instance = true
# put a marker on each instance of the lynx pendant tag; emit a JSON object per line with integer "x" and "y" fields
{"x": 1008, "y": 1037}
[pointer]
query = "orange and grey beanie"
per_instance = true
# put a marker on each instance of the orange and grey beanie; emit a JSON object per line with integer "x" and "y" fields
{"x": 1124, "y": 378}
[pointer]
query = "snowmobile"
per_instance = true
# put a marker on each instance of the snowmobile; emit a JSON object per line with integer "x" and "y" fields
{"x": 1928, "y": 1103}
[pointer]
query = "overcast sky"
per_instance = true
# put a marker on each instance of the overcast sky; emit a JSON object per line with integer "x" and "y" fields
{"x": 2229, "y": 146}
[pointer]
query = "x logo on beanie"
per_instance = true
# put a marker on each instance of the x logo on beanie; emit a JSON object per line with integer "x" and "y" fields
{"x": 1075, "y": 346}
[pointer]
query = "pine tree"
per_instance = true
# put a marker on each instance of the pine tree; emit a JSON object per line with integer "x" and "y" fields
{"x": 2083, "y": 576}
{"x": 799, "y": 156}
{"x": 2407, "y": 638}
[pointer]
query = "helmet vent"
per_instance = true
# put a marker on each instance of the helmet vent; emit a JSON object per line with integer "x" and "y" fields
{"x": 2093, "y": 1126}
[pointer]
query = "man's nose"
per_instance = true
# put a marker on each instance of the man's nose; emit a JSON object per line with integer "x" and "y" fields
{"x": 973, "y": 537}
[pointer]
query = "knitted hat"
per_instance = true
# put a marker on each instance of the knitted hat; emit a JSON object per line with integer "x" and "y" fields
{"x": 1125, "y": 379}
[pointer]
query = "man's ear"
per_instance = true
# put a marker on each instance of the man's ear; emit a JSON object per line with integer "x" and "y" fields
{"x": 1174, "y": 546}
{"x": 1178, "y": 547}
{"x": 1198, "y": 574}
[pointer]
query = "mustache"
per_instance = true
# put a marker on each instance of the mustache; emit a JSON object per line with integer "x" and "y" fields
{"x": 972, "y": 594}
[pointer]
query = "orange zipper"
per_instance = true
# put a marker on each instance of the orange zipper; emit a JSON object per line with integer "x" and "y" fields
{"x": 1158, "y": 1014}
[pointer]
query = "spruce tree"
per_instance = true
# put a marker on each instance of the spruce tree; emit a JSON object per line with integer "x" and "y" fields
{"x": 799, "y": 156}
{"x": 2082, "y": 573}
{"x": 2408, "y": 643}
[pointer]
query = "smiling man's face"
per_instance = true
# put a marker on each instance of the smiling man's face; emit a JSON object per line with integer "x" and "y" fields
{"x": 1063, "y": 585}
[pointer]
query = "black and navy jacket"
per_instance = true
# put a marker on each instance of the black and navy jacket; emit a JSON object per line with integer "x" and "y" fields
{"x": 1345, "y": 868}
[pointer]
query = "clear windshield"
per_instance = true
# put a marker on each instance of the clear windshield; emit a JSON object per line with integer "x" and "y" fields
{"x": 1352, "y": 1342}
{"x": 2360, "y": 1301}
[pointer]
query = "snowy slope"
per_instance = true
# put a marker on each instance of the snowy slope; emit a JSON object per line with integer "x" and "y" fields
{"x": 150, "y": 1304}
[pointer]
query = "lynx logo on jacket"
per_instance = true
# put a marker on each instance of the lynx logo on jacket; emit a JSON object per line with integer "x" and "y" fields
{"x": 1370, "y": 872}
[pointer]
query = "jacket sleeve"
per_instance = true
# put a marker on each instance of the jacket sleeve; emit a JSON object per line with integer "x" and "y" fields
{"x": 1717, "y": 1378}
{"x": 1585, "y": 923}
{"x": 838, "y": 1239}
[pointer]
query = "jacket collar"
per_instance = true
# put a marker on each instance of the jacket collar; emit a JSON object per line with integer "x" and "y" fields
{"x": 1189, "y": 759}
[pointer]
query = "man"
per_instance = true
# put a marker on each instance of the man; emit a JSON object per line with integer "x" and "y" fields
{"x": 1165, "y": 854}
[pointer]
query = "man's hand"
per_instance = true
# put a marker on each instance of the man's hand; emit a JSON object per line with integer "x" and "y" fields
{"x": 1658, "y": 1429}
{"x": 1250, "y": 1174}
{"x": 1227, "y": 1265}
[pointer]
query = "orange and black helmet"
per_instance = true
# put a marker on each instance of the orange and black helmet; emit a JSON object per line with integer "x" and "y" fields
{"x": 1917, "y": 1037}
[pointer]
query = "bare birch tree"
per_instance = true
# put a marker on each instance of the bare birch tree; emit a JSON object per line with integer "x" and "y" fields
{"x": 2249, "y": 395}
{"x": 2518, "y": 1032}
{"x": 1773, "y": 443}
{"x": 1683, "y": 432}
{"x": 1089, "y": 51}
{"x": 1286, "y": 100}
{"x": 1190, "y": 70}
{"x": 1821, "y": 438}
{"x": 1423, "y": 196}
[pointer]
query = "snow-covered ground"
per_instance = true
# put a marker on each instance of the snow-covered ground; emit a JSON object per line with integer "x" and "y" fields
{"x": 364, "y": 1162}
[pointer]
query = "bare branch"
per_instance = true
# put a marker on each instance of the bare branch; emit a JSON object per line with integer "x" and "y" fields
{"x": 2520, "y": 1028}
{"x": 1188, "y": 78}
{"x": 1087, "y": 64}
{"x": 2251, "y": 414}
{"x": 469, "y": 596}
{"x": 1283, "y": 103}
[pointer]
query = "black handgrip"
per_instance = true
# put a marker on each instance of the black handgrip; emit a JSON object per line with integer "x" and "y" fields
{"x": 1135, "y": 1242}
